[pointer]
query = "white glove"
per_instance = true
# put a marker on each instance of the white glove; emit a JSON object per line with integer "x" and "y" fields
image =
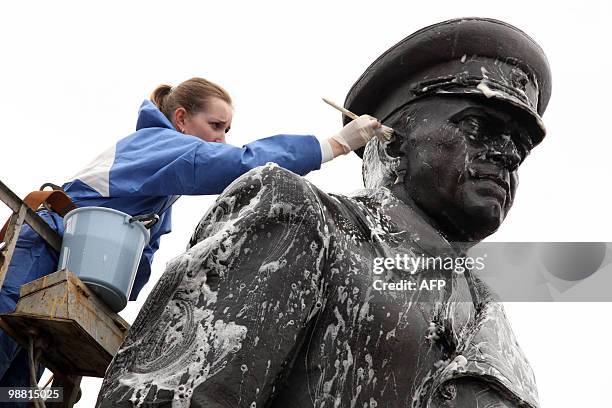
{"x": 357, "y": 133}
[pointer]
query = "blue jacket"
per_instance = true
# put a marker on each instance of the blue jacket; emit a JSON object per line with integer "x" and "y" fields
{"x": 143, "y": 172}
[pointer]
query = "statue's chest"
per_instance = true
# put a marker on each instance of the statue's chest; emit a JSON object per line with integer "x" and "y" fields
{"x": 368, "y": 342}
{"x": 381, "y": 333}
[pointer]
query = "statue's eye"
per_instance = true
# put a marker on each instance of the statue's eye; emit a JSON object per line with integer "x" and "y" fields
{"x": 474, "y": 127}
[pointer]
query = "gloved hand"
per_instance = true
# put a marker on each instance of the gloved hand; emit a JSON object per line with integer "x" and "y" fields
{"x": 357, "y": 133}
{"x": 351, "y": 137}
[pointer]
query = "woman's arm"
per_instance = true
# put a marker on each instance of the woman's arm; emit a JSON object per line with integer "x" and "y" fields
{"x": 164, "y": 162}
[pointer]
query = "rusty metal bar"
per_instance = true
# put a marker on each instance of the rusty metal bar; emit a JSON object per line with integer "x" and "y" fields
{"x": 12, "y": 234}
{"x": 31, "y": 218}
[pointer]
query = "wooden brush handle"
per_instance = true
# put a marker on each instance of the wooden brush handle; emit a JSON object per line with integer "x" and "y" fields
{"x": 387, "y": 131}
{"x": 341, "y": 109}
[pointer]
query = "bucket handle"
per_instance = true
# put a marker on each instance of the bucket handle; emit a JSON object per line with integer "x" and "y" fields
{"x": 148, "y": 220}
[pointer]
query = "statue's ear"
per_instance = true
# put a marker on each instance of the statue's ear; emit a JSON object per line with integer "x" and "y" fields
{"x": 394, "y": 147}
{"x": 402, "y": 123}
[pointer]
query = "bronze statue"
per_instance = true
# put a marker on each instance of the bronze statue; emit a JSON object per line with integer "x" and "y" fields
{"x": 277, "y": 303}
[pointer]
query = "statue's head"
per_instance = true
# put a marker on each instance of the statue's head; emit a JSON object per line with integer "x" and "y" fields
{"x": 466, "y": 98}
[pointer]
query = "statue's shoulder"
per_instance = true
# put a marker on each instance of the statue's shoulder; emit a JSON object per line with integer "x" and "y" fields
{"x": 271, "y": 177}
{"x": 262, "y": 196}
{"x": 399, "y": 219}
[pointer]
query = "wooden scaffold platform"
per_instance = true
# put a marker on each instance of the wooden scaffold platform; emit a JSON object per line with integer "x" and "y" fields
{"x": 58, "y": 319}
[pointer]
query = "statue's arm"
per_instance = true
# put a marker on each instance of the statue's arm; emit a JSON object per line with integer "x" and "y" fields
{"x": 225, "y": 330}
{"x": 268, "y": 285}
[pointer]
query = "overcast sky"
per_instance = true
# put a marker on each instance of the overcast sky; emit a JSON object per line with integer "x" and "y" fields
{"x": 74, "y": 74}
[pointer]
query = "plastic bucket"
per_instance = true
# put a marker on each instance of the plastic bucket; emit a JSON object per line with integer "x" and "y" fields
{"x": 103, "y": 248}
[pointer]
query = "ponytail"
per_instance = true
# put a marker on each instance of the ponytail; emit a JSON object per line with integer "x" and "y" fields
{"x": 159, "y": 95}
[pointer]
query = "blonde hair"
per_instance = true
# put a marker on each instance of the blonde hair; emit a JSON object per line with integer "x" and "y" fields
{"x": 192, "y": 94}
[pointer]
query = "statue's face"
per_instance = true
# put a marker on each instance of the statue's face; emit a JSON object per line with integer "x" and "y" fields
{"x": 461, "y": 158}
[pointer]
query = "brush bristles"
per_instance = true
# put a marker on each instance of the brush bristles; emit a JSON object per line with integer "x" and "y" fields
{"x": 387, "y": 133}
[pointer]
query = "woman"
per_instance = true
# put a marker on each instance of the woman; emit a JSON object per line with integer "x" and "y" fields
{"x": 178, "y": 148}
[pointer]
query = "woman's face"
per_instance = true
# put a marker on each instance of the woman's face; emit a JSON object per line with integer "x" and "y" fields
{"x": 210, "y": 125}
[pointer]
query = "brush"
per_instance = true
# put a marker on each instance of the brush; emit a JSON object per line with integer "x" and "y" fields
{"x": 386, "y": 133}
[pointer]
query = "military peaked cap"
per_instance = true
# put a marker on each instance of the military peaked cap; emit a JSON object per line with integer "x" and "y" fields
{"x": 478, "y": 57}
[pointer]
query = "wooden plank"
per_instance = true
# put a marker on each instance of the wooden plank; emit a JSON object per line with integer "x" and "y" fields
{"x": 42, "y": 283}
{"x": 82, "y": 334}
{"x": 49, "y": 302}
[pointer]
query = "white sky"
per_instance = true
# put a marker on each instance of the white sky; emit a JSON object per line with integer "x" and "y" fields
{"x": 73, "y": 75}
